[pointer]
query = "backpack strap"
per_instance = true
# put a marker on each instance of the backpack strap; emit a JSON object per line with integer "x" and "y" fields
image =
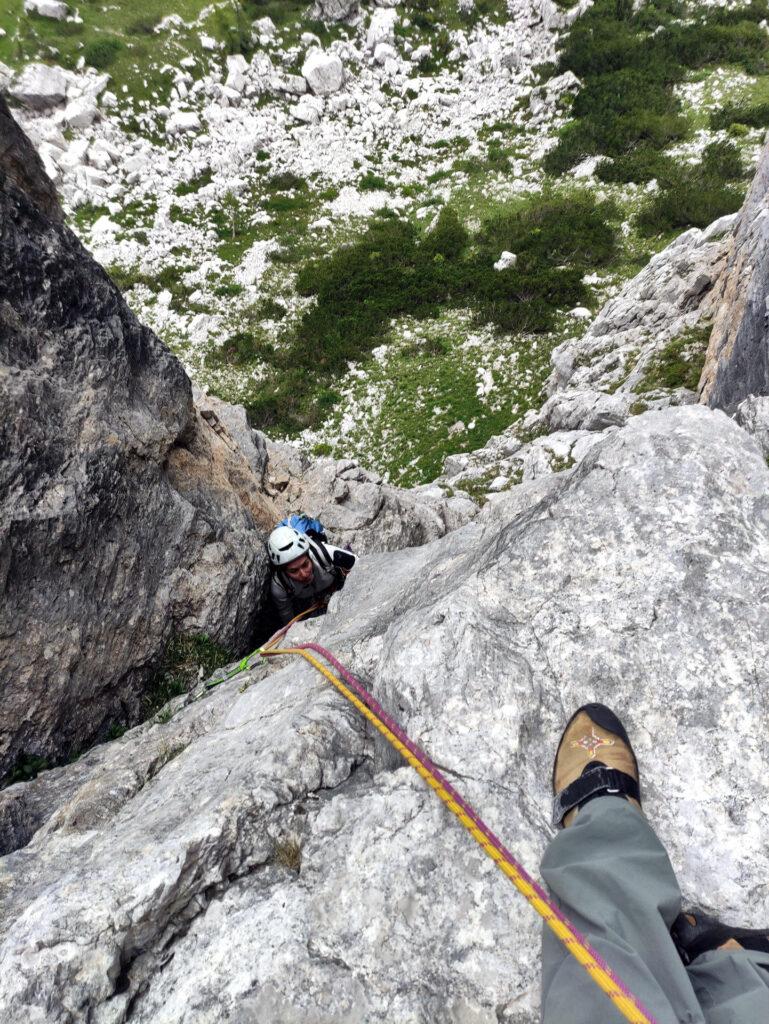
{"x": 325, "y": 559}
{"x": 322, "y": 554}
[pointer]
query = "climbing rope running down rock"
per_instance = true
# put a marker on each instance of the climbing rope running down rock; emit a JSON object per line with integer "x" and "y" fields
{"x": 576, "y": 943}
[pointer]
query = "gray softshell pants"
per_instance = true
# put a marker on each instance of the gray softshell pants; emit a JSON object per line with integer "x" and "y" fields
{"x": 612, "y": 878}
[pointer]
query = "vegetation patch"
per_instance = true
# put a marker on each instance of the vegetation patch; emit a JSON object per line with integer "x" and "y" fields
{"x": 395, "y": 268}
{"x": 168, "y": 279}
{"x": 26, "y": 768}
{"x": 628, "y": 60}
{"x": 752, "y": 115}
{"x": 186, "y": 188}
{"x": 679, "y": 364}
{"x": 287, "y": 852}
{"x": 184, "y": 662}
{"x": 696, "y": 195}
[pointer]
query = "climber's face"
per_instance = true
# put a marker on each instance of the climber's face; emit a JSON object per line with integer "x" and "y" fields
{"x": 300, "y": 569}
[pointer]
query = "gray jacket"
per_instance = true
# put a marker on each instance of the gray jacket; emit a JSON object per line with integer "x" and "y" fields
{"x": 290, "y": 598}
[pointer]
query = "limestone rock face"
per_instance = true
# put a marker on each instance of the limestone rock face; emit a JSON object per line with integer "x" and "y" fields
{"x": 124, "y": 519}
{"x": 670, "y": 296}
{"x": 279, "y": 865}
{"x": 737, "y": 363}
{"x": 753, "y": 416}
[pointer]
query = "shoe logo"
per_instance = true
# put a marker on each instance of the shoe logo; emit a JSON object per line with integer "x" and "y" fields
{"x": 592, "y": 743}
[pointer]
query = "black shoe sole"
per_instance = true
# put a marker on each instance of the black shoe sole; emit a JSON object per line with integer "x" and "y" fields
{"x": 708, "y": 934}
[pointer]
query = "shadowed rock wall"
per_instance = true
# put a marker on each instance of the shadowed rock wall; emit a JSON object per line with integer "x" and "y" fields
{"x": 737, "y": 363}
{"x": 123, "y": 517}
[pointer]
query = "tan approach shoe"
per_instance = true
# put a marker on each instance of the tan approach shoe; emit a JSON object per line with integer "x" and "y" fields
{"x": 594, "y": 757}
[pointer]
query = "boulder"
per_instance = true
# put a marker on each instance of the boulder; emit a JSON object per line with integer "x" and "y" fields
{"x": 264, "y": 27}
{"x": 506, "y": 261}
{"x": 324, "y": 73}
{"x": 306, "y": 111}
{"x": 293, "y": 85}
{"x": 183, "y": 121}
{"x": 258, "y": 855}
{"x": 81, "y": 113}
{"x": 336, "y": 10}
{"x": 237, "y": 65}
{"x": 384, "y": 52}
{"x": 381, "y": 28}
{"x": 39, "y": 87}
{"x": 47, "y": 9}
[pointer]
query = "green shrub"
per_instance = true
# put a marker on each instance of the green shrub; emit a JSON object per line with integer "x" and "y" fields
{"x": 754, "y": 115}
{"x": 228, "y": 289}
{"x": 371, "y": 182}
{"x": 185, "y": 188}
{"x": 629, "y": 62}
{"x": 555, "y": 229}
{"x": 642, "y": 164}
{"x": 26, "y": 768}
{"x": 141, "y": 27}
{"x": 286, "y": 181}
{"x": 698, "y": 195}
{"x": 101, "y": 53}
{"x": 270, "y": 309}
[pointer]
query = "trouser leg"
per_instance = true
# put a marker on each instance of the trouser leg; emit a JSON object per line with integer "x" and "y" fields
{"x": 611, "y": 876}
{"x": 732, "y": 986}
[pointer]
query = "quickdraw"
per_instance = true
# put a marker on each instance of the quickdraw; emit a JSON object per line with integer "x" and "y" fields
{"x": 576, "y": 943}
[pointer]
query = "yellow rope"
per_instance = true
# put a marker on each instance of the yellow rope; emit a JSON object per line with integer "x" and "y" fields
{"x": 623, "y": 1002}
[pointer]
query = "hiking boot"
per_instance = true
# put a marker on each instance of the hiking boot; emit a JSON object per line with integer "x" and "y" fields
{"x": 594, "y": 758}
{"x": 695, "y": 932}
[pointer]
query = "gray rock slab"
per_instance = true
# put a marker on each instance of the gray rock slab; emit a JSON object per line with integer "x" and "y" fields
{"x": 639, "y": 579}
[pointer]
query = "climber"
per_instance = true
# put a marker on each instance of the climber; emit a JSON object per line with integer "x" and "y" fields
{"x": 305, "y": 571}
{"x": 613, "y": 880}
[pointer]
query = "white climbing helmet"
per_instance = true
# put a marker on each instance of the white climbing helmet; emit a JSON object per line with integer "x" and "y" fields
{"x": 285, "y": 544}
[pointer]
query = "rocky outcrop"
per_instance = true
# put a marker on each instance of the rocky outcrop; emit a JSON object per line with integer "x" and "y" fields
{"x": 737, "y": 362}
{"x": 279, "y": 865}
{"x": 125, "y": 519}
{"x": 357, "y": 507}
{"x": 670, "y": 296}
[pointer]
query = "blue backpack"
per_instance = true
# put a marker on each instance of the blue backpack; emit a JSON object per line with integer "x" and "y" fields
{"x": 313, "y": 528}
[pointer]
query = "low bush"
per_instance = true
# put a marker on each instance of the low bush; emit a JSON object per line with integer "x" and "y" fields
{"x": 755, "y": 115}
{"x": 371, "y": 182}
{"x": 628, "y": 61}
{"x": 696, "y": 195}
{"x": 101, "y": 53}
{"x": 186, "y": 188}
